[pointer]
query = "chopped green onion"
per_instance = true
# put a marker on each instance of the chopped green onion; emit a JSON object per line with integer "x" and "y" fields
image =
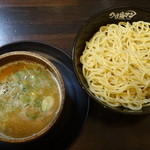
{"x": 47, "y": 103}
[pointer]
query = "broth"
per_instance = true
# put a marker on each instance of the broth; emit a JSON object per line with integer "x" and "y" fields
{"x": 29, "y": 98}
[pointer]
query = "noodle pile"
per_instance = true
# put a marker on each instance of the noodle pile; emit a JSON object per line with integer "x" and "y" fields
{"x": 116, "y": 64}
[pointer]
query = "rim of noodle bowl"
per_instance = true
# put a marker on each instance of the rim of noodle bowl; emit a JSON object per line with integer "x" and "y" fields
{"x": 85, "y": 35}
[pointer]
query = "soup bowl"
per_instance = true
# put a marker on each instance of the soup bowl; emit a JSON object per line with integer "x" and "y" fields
{"x": 86, "y": 32}
{"x": 32, "y": 96}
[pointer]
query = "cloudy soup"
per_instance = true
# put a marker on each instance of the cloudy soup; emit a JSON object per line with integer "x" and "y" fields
{"x": 29, "y": 98}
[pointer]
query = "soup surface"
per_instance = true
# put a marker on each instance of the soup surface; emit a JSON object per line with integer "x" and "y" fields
{"x": 29, "y": 98}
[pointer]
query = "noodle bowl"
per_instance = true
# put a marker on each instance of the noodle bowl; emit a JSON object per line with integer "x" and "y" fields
{"x": 116, "y": 64}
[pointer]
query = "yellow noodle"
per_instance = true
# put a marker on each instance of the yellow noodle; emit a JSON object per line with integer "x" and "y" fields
{"x": 116, "y": 64}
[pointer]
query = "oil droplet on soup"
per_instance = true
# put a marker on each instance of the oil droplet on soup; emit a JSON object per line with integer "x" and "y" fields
{"x": 29, "y": 98}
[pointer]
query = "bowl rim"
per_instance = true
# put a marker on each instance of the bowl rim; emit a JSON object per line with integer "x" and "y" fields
{"x": 62, "y": 90}
{"x": 74, "y": 64}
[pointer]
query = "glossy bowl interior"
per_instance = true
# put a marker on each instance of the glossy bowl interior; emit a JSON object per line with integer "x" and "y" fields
{"x": 36, "y": 58}
{"x": 89, "y": 28}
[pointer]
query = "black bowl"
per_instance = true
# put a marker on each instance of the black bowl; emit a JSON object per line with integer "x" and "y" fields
{"x": 89, "y": 28}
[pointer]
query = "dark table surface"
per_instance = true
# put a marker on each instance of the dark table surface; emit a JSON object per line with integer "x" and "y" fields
{"x": 56, "y": 22}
